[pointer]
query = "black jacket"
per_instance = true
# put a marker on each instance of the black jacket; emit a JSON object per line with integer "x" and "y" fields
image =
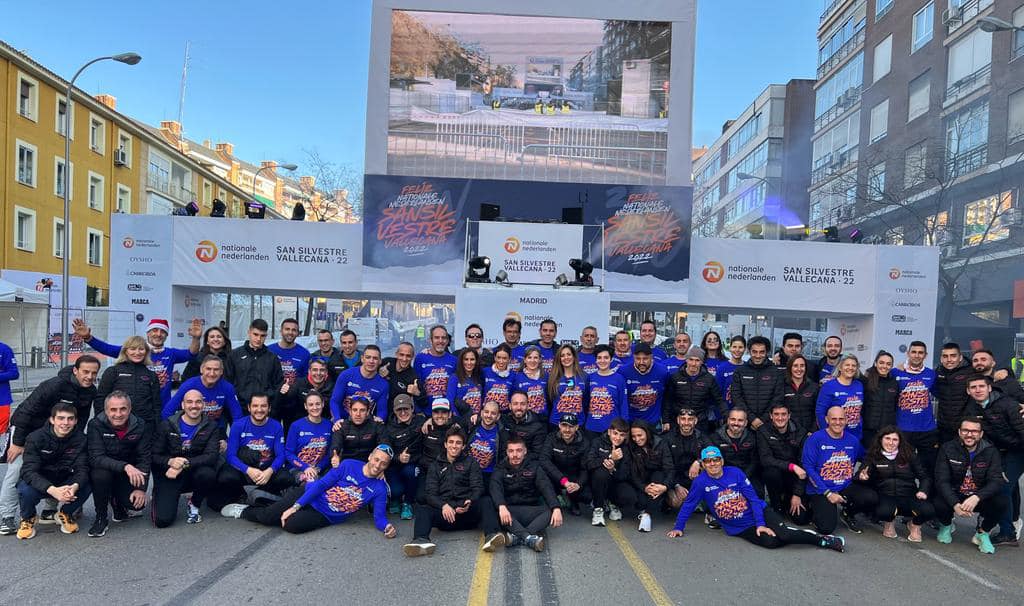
{"x": 1001, "y": 421}
{"x": 532, "y": 429}
{"x": 684, "y": 450}
{"x": 52, "y": 461}
{"x": 779, "y": 449}
{"x": 336, "y": 362}
{"x": 453, "y": 483}
{"x": 252, "y": 371}
{"x": 562, "y": 460}
{"x": 34, "y": 412}
{"x": 756, "y": 388}
{"x": 405, "y": 435}
{"x": 951, "y": 392}
{"x": 204, "y": 450}
{"x": 652, "y": 464}
{"x": 484, "y": 357}
{"x": 352, "y": 441}
{"x": 432, "y": 445}
{"x": 600, "y": 449}
{"x": 525, "y": 484}
{"x": 951, "y": 469}
{"x": 139, "y": 382}
{"x": 897, "y": 478}
{"x": 1010, "y": 387}
{"x": 740, "y": 452}
{"x": 290, "y": 405}
{"x": 399, "y": 382}
{"x": 194, "y": 365}
{"x": 699, "y": 393}
{"x": 880, "y": 403}
{"x": 107, "y": 451}
{"x": 801, "y": 402}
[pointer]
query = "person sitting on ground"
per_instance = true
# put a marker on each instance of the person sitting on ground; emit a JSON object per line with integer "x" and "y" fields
{"x": 969, "y": 480}
{"x": 255, "y": 455}
{"x": 56, "y": 465}
{"x": 453, "y": 496}
{"x": 120, "y": 454}
{"x": 517, "y": 486}
{"x": 894, "y": 471}
{"x": 730, "y": 498}
{"x": 331, "y": 499}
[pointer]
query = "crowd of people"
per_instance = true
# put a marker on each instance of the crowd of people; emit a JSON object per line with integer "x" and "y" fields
{"x": 772, "y": 447}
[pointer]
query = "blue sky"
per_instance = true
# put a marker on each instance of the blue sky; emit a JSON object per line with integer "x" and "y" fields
{"x": 279, "y": 78}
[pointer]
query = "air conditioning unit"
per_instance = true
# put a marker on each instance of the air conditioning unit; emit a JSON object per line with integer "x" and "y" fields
{"x": 951, "y": 16}
{"x": 947, "y": 251}
{"x": 851, "y": 95}
{"x": 120, "y": 158}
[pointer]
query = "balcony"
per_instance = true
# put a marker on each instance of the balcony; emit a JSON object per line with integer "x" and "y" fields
{"x": 833, "y": 163}
{"x": 845, "y": 101}
{"x": 829, "y": 10}
{"x": 169, "y": 187}
{"x": 844, "y": 51}
{"x": 967, "y": 85}
{"x": 960, "y": 15}
{"x": 967, "y": 162}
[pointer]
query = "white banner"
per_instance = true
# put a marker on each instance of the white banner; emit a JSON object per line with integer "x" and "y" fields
{"x": 188, "y": 303}
{"x": 856, "y": 333}
{"x": 573, "y": 310}
{"x": 530, "y": 253}
{"x": 51, "y": 285}
{"x": 278, "y": 255}
{"x": 140, "y": 268}
{"x": 784, "y": 275}
{"x": 907, "y": 285}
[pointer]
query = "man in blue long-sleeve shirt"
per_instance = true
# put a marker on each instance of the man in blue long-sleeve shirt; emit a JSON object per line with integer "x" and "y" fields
{"x": 332, "y": 499}
{"x": 255, "y": 455}
{"x": 164, "y": 358}
{"x": 218, "y": 395}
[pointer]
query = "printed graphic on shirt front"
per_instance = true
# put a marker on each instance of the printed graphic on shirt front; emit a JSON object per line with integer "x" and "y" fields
{"x": 838, "y": 468}
{"x": 968, "y": 486}
{"x": 571, "y": 400}
{"x": 915, "y": 398}
{"x": 160, "y": 369}
{"x": 852, "y": 407}
{"x": 213, "y": 409}
{"x": 730, "y": 504}
{"x": 436, "y": 382}
{"x": 313, "y": 451}
{"x": 535, "y": 396}
{"x": 643, "y": 397}
{"x": 265, "y": 451}
{"x": 472, "y": 398}
{"x": 499, "y": 393}
{"x": 483, "y": 451}
{"x": 344, "y": 499}
{"x": 602, "y": 403}
{"x": 357, "y": 394}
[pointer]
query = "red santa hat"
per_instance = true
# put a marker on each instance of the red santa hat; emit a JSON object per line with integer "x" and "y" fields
{"x": 159, "y": 323}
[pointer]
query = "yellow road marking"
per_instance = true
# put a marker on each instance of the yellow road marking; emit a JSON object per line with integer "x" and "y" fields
{"x": 480, "y": 585}
{"x": 643, "y": 573}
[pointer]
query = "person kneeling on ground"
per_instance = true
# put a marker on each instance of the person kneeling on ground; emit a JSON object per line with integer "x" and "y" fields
{"x": 185, "y": 453}
{"x": 332, "y": 499}
{"x": 730, "y": 498}
{"x": 120, "y": 453}
{"x": 452, "y": 495}
{"x": 518, "y": 484}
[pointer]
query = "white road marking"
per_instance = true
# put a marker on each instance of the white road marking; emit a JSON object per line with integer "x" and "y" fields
{"x": 967, "y": 573}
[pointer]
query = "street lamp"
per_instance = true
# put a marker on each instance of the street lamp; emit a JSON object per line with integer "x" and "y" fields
{"x": 995, "y": 24}
{"x": 285, "y": 166}
{"x": 127, "y": 59}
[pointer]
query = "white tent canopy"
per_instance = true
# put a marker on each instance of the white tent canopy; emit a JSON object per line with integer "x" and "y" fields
{"x": 10, "y": 292}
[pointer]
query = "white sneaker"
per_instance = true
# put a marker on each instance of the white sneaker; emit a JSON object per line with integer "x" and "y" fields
{"x": 1018, "y": 526}
{"x": 233, "y": 510}
{"x": 645, "y": 522}
{"x": 419, "y": 547}
{"x": 614, "y": 513}
{"x": 598, "y": 518}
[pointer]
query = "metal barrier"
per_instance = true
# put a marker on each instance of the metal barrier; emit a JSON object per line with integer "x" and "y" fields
{"x": 573, "y": 163}
{"x": 449, "y": 154}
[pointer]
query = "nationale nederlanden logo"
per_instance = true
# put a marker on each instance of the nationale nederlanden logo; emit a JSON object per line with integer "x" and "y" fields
{"x": 895, "y": 273}
{"x": 128, "y": 242}
{"x": 713, "y": 272}
{"x": 512, "y": 245}
{"x": 206, "y": 251}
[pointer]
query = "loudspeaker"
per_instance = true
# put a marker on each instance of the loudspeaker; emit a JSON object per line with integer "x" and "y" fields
{"x": 572, "y": 215}
{"x": 489, "y": 212}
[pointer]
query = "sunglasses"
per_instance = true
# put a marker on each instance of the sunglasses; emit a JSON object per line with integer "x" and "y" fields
{"x": 386, "y": 450}
{"x": 475, "y": 335}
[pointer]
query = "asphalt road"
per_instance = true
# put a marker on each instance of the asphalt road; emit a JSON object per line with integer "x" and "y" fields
{"x": 224, "y": 561}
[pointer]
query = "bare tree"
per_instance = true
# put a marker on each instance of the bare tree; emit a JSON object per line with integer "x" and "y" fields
{"x": 914, "y": 195}
{"x": 337, "y": 189}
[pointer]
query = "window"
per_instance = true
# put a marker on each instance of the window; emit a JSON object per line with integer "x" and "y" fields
{"x": 58, "y": 177}
{"x": 207, "y": 193}
{"x": 124, "y": 199}
{"x": 987, "y": 220}
{"x": 746, "y": 132}
{"x": 61, "y": 121}
{"x": 124, "y": 145}
{"x": 26, "y": 163}
{"x": 969, "y": 56}
{"x": 24, "y": 229}
{"x": 28, "y": 97}
{"x": 876, "y": 182}
{"x": 967, "y": 140}
{"x": 937, "y": 229}
{"x": 94, "y": 248}
{"x": 750, "y": 164}
{"x": 882, "y": 59}
{"x": 58, "y": 237}
{"x": 924, "y": 21}
{"x": 839, "y": 92}
{"x": 879, "y": 121}
{"x": 750, "y": 200}
{"x": 894, "y": 236}
{"x": 836, "y": 148}
{"x": 1018, "y": 35}
{"x": 920, "y": 93}
{"x": 1015, "y": 117}
{"x": 882, "y": 7}
{"x": 97, "y": 133}
{"x": 847, "y": 33}
{"x": 95, "y": 191}
{"x": 709, "y": 170}
{"x": 916, "y": 164}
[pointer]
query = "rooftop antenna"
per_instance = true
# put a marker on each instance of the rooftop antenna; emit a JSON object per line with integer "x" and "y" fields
{"x": 181, "y": 96}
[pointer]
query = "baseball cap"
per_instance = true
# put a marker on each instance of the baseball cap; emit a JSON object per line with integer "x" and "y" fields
{"x": 441, "y": 404}
{"x": 403, "y": 401}
{"x": 710, "y": 452}
{"x": 569, "y": 418}
{"x": 642, "y": 348}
